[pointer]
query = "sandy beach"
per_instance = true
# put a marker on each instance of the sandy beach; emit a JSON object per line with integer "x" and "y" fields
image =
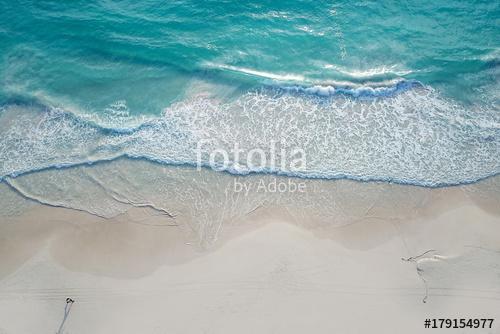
{"x": 249, "y": 167}
{"x": 411, "y": 254}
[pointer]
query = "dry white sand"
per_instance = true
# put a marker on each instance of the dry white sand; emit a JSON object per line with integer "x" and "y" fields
{"x": 266, "y": 276}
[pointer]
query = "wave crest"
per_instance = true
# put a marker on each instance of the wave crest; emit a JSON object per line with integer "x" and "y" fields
{"x": 415, "y": 136}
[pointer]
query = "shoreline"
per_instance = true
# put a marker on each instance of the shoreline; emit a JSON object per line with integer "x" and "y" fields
{"x": 231, "y": 172}
{"x": 375, "y": 253}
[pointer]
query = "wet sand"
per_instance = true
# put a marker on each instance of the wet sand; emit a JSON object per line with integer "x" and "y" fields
{"x": 383, "y": 266}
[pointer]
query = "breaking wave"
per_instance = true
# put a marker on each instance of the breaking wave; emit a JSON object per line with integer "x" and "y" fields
{"x": 406, "y": 133}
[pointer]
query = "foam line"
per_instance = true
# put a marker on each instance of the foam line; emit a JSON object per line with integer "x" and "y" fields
{"x": 408, "y": 134}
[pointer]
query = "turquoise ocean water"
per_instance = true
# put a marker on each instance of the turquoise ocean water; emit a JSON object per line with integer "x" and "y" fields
{"x": 370, "y": 90}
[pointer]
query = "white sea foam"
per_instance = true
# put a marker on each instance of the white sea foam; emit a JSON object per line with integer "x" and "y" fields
{"x": 383, "y": 77}
{"x": 415, "y": 136}
{"x": 262, "y": 74}
{"x": 369, "y": 73}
